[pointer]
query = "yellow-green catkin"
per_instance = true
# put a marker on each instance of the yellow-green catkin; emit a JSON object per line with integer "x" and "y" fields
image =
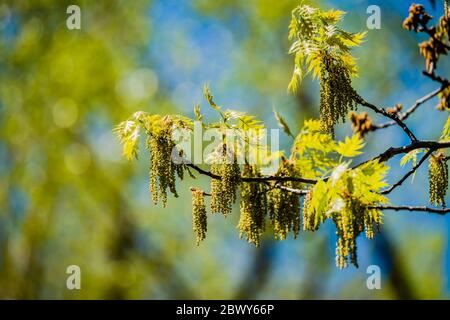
{"x": 438, "y": 179}
{"x": 337, "y": 97}
{"x": 350, "y": 222}
{"x": 284, "y": 206}
{"x": 308, "y": 217}
{"x": 223, "y": 190}
{"x": 199, "y": 219}
{"x": 162, "y": 168}
{"x": 253, "y": 207}
{"x": 372, "y": 222}
{"x": 346, "y": 243}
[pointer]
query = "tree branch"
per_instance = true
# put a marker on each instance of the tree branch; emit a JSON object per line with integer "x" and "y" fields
{"x": 391, "y": 152}
{"x": 434, "y": 77}
{"x": 279, "y": 179}
{"x": 204, "y": 172}
{"x": 407, "y": 113}
{"x": 399, "y": 182}
{"x": 385, "y": 156}
{"x": 413, "y": 208}
{"x": 254, "y": 179}
{"x": 292, "y": 190}
{"x": 392, "y": 116}
{"x": 431, "y": 144}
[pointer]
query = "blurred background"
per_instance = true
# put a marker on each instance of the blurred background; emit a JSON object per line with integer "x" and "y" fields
{"x": 67, "y": 196}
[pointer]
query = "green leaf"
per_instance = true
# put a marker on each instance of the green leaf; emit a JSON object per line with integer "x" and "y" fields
{"x": 411, "y": 156}
{"x": 313, "y": 34}
{"x": 350, "y": 147}
{"x": 372, "y": 174}
{"x": 233, "y": 114}
{"x": 197, "y": 113}
{"x": 128, "y": 133}
{"x": 332, "y": 16}
{"x": 209, "y": 98}
{"x": 446, "y": 132}
{"x": 319, "y": 201}
{"x": 282, "y": 123}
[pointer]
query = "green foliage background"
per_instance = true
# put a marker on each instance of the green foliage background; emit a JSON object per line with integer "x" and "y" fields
{"x": 67, "y": 196}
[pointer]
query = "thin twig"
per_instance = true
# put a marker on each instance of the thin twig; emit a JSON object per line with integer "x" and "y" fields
{"x": 399, "y": 182}
{"x": 279, "y": 179}
{"x": 204, "y": 193}
{"x": 434, "y": 77}
{"x": 412, "y": 208}
{"x": 383, "y": 207}
{"x": 204, "y": 172}
{"x": 292, "y": 190}
{"x": 385, "y": 156}
{"x": 253, "y": 179}
{"x": 391, "y": 152}
{"x": 392, "y": 116}
{"x": 403, "y": 116}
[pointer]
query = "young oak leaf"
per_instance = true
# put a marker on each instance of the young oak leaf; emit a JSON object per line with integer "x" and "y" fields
{"x": 446, "y": 132}
{"x": 128, "y": 133}
{"x": 372, "y": 174}
{"x": 209, "y": 98}
{"x": 319, "y": 202}
{"x": 332, "y": 16}
{"x": 282, "y": 123}
{"x": 350, "y": 147}
{"x": 197, "y": 112}
{"x": 411, "y": 156}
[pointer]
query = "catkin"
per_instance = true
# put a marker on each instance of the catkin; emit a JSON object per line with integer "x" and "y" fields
{"x": 353, "y": 219}
{"x": 438, "y": 179}
{"x": 308, "y": 216}
{"x": 223, "y": 190}
{"x": 162, "y": 168}
{"x": 337, "y": 97}
{"x": 199, "y": 219}
{"x": 253, "y": 206}
{"x": 284, "y": 206}
{"x": 368, "y": 226}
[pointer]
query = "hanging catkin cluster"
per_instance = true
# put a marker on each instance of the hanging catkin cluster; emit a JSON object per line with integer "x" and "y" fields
{"x": 199, "y": 219}
{"x": 253, "y": 207}
{"x": 223, "y": 190}
{"x": 162, "y": 168}
{"x": 350, "y": 222}
{"x": 337, "y": 97}
{"x": 284, "y": 207}
{"x": 308, "y": 216}
{"x": 348, "y": 227}
{"x": 438, "y": 179}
